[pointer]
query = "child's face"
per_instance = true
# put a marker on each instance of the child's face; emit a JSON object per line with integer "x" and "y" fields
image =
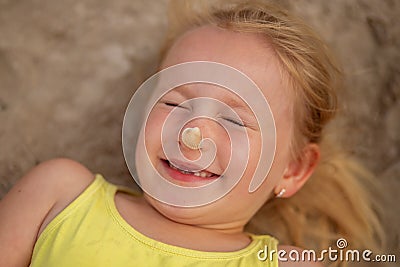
{"x": 251, "y": 55}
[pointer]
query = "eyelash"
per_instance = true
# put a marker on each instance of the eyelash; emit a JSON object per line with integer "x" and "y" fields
{"x": 238, "y": 123}
{"x": 171, "y": 104}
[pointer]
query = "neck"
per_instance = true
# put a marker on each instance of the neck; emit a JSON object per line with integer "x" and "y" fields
{"x": 231, "y": 228}
{"x": 187, "y": 231}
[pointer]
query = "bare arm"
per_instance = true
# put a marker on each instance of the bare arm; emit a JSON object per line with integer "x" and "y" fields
{"x": 28, "y": 203}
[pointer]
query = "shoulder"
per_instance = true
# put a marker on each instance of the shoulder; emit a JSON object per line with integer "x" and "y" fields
{"x": 54, "y": 179}
{"x": 61, "y": 180}
{"x": 51, "y": 179}
{"x": 38, "y": 194}
{"x": 291, "y": 256}
{"x": 48, "y": 184}
{"x": 62, "y": 173}
{"x": 59, "y": 170}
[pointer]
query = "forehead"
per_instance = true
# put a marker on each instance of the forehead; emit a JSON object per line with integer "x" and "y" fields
{"x": 248, "y": 52}
{"x": 245, "y": 51}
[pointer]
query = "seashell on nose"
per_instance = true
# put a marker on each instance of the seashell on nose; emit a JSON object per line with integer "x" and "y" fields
{"x": 191, "y": 137}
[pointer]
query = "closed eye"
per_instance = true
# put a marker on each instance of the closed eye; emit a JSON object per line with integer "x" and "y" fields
{"x": 172, "y": 104}
{"x": 236, "y": 122}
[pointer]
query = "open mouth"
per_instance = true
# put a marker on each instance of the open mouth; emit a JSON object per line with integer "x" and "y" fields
{"x": 187, "y": 175}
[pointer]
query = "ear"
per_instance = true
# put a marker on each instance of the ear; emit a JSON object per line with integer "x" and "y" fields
{"x": 299, "y": 170}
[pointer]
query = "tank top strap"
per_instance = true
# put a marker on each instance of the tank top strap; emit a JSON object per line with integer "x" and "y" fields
{"x": 268, "y": 252}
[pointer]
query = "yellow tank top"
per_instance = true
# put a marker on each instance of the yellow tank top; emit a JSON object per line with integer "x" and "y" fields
{"x": 91, "y": 232}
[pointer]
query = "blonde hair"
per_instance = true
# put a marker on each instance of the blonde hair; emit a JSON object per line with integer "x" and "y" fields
{"x": 337, "y": 201}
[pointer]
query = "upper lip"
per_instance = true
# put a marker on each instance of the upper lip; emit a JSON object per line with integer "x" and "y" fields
{"x": 187, "y": 166}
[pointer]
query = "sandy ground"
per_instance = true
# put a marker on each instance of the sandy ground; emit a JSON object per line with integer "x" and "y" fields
{"x": 68, "y": 69}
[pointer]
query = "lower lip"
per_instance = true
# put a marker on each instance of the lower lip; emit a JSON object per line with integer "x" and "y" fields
{"x": 189, "y": 178}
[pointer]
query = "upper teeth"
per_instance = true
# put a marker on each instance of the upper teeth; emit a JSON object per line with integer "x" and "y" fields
{"x": 202, "y": 174}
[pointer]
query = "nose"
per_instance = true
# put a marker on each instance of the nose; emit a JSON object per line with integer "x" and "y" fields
{"x": 194, "y": 132}
{"x": 191, "y": 137}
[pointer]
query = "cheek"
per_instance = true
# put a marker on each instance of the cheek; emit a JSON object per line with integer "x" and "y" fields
{"x": 254, "y": 138}
{"x": 153, "y": 130}
{"x": 281, "y": 159}
{"x": 282, "y": 154}
{"x": 223, "y": 157}
{"x": 254, "y": 154}
{"x": 283, "y": 143}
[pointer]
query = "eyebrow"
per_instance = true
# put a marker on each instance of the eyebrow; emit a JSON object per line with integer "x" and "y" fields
{"x": 236, "y": 104}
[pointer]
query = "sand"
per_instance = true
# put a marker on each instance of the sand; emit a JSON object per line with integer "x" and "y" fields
{"x": 68, "y": 69}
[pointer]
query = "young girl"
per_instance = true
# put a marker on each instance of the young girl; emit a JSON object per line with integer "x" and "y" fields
{"x": 61, "y": 214}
